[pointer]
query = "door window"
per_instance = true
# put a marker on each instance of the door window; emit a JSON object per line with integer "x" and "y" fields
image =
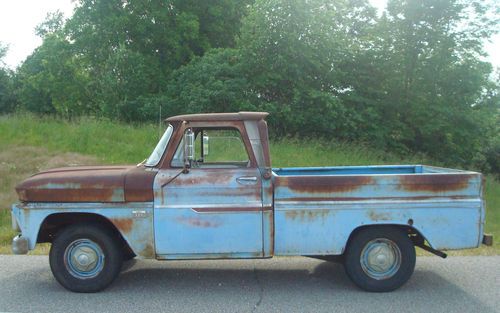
{"x": 215, "y": 148}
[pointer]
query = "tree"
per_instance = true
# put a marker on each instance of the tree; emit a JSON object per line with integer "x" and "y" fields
{"x": 53, "y": 79}
{"x": 430, "y": 77}
{"x": 7, "y": 98}
{"x": 295, "y": 53}
{"x": 129, "y": 48}
{"x": 211, "y": 83}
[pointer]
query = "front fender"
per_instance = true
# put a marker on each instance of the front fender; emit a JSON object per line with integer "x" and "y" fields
{"x": 134, "y": 221}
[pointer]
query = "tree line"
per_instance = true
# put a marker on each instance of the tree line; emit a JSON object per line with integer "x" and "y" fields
{"x": 409, "y": 80}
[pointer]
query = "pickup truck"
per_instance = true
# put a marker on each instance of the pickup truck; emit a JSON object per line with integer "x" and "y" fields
{"x": 208, "y": 191}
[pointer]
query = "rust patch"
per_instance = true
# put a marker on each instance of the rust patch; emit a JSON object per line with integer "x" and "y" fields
{"x": 198, "y": 222}
{"x": 306, "y": 215}
{"x": 416, "y": 198}
{"x": 123, "y": 224}
{"x": 75, "y": 184}
{"x": 271, "y": 226}
{"x": 139, "y": 185}
{"x": 267, "y": 208}
{"x": 210, "y": 178}
{"x": 226, "y": 209}
{"x": 324, "y": 184}
{"x": 252, "y": 192}
{"x": 240, "y": 116}
{"x": 434, "y": 183}
{"x": 148, "y": 251}
{"x": 264, "y": 140}
{"x": 379, "y": 216}
{"x": 71, "y": 194}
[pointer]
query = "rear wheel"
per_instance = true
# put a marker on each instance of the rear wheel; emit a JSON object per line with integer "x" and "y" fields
{"x": 85, "y": 258}
{"x": 380, "y": 258}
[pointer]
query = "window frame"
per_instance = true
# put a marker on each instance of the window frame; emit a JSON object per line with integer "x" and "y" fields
{"x": 181, "y": 128}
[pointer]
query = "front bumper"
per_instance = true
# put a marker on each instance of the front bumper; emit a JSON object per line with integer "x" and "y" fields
{"x": 20, "y": 245}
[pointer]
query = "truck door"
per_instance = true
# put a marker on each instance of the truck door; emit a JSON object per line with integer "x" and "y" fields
{"x": 214, "y": 210}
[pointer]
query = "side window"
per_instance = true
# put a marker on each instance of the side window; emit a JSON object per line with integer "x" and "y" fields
{"x": 215, "y": 148}
{"x": 224, "y": 146}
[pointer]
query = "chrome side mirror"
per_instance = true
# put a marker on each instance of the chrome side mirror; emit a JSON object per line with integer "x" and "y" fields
{"x": 189, "y": 145}
{"x": 205, "y": 145}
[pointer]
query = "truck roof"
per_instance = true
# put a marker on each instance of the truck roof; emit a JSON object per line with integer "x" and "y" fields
{"x": 240, "y": 116}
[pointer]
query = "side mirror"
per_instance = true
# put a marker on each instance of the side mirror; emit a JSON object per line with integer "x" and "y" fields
{"x": 189, "y": 145}
{"x": 205, "y": 145}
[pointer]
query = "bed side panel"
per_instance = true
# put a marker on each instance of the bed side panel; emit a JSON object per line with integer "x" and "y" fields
{"x": 317, "y": 214}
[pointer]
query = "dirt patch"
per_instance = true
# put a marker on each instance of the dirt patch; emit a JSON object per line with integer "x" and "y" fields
{"x": 17, "y": 163}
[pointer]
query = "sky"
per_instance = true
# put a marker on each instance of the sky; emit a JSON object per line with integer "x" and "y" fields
{"x": 19, "y": 18}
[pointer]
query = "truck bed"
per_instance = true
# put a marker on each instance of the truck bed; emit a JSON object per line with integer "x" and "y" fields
{"x": 443, "y": 205}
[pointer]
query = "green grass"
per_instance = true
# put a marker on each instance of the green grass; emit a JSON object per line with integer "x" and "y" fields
{"x": 109, "y": 141}
{"x": 492, "y": 195}
{"x": 29, "y": 143}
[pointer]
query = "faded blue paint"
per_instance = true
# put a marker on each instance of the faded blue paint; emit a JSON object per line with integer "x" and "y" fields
{"x": 310, "y": 223}
{"x": 349, "y": 170}
{"x": 139, "y": 237}
{"x": 207, "y": 213}
{"x": 324, "y": 228}
{"x": 365, "y": 170}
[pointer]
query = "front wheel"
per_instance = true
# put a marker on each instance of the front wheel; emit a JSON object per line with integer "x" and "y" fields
{"x": 380, "y": 259}
{"x": 85, "y": 258}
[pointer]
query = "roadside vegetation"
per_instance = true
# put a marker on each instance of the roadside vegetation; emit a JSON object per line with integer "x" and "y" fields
{"x": 29, "y": 144}
{"x": 410, "y": 80}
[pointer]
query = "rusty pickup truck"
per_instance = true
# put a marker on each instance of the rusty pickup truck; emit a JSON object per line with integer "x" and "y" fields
{"x": 208, "y": 191}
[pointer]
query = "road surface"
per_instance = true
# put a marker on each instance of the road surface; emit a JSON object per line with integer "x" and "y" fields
{"x": 457, "y": 284}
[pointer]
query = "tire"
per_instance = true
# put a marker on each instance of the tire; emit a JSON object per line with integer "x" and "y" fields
{"x": 99, "y": 254}
{"x": 127, "y": 254}
{"x": 380, "y": 259}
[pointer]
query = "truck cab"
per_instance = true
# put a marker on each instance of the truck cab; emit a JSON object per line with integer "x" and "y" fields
{"x": 213, "y": 190}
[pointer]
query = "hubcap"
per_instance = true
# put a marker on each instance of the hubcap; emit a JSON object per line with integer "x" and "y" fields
{"x": 380, "y": 258}
{"x": 84, "y": 259}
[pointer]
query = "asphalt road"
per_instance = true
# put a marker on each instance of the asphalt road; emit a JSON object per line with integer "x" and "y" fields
{"x": 457, "y": 284}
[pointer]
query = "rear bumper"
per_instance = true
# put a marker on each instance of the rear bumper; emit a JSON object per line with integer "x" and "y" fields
{"x": 487, "y": 240}
{"x": 20, "y": 245}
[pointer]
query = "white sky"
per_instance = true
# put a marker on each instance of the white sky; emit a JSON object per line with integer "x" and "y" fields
{"x": 18, "y": 19}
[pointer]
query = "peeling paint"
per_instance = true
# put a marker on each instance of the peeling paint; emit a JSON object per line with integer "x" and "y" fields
{"x": 199, "y": 222}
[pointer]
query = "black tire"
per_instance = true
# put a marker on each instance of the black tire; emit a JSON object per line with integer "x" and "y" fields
{"x": 89, "y": 242}
{"x": 128, "y": 254}
{"x": 362, "y": 257}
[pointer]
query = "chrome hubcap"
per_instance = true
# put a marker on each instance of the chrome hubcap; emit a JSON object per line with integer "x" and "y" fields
{"x": 84, "y": 259}
{"x": 380, "y": 258}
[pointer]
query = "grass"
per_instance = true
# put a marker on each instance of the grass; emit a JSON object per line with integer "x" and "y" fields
{"x": 29, "y": 144}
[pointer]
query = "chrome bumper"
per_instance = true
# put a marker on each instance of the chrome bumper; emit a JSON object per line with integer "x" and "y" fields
{"x": 15, "y": 225}
{"x": 20, "y": 245}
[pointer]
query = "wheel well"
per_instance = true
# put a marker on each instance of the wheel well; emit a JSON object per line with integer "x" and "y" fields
{"x": 54, "y": 223}
{"x": 412, "y": 232}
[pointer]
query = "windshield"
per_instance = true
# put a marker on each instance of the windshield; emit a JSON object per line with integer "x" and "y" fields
{"x": 155, "y": 157}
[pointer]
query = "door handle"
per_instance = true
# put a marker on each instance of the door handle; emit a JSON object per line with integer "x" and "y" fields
{"x": 247, "y": 180}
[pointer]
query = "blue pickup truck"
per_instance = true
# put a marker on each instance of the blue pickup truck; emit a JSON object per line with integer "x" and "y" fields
{"x": 208, "y": 191}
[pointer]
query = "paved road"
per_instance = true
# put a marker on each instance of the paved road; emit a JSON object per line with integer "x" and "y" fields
{"x": 457, "y": 284}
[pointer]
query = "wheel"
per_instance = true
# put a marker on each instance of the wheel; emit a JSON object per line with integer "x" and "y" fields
{"x": 85, "y": 258}
{"x": 380, "y": 259}
{"x": 128, "y": 254}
